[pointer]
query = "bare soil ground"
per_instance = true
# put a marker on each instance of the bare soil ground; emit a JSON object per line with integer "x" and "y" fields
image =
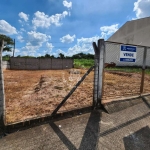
{"x": 121, "y": 84}
{"x": 31, "y": 94}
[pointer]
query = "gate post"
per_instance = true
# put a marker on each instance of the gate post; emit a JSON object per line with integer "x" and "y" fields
{"x": 143, "y": 70}
{"x": 101, "y": 47}
{"x": 96, "y": 67}
{"x": 2, "y": 96}
{"x": 99, "y": 61}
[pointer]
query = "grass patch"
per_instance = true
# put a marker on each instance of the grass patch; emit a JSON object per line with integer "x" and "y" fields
{"x": 83, "y": 63}
{"x": 5, "y": 58}
{"x": 128, "y": 69}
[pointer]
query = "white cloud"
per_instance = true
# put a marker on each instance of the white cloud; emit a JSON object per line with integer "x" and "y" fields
{"x": 61, "y": 51}
{"x": 20, "y": 21}
{"x": 49, "y": 46}
{"x": 22, "y": 29}
{"x": 23, "y": 16}
{"x": 6, "y": 28}
{"x": 20, "y": 38}
{"x": 7, "y": 53}
{"x": 29, "y": 48}
{"x": 42, "y": 20}
{"x": 108, "y": 30}
{"x": 87, "y": 40}
{"x": 67, "y": 4}
{"x": 37, "y": 38}
{"x": 83, "y": 45}
{"x": 35, "y": 41}
{"x": 17, "y": 51}
{"x": 67, "y": 38}
{"x": 142, "y": 8}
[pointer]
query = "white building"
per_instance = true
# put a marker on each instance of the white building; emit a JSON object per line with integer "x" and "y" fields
{"x": 136, "y": 32}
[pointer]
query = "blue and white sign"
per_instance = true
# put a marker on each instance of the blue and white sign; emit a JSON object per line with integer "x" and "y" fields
{"x": 127, "y": 53}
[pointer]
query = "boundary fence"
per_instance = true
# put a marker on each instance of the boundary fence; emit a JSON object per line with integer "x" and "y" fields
{"x": 40, "y": 63}
{"x": 33, "y": 64}
{"x": 101, "y": 68}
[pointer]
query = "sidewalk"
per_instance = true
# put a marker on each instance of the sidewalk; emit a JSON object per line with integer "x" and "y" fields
{"x": 128, "y": 129}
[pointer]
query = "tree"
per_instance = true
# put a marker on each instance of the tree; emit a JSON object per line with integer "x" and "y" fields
{"x": 19, "y": 56}
{"x": 47, "y": 56}
{"x": 61, "y": 55}
{"x": 83, "y": 56}
{"x": 9, "y": 44}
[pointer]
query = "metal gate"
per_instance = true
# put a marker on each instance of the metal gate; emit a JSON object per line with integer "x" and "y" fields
{"x": 125, "y": 79}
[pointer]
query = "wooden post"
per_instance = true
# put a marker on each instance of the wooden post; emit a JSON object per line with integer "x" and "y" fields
{"x": 96, "y": 67}
{"x": 143, "y": 70}
{"x": 2, "y": 94}
{"x": 101, "y": 47}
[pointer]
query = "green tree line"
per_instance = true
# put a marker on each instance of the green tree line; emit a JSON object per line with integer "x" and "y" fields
{"x": 9, "y": 42}
{"x": 62, "y": 56}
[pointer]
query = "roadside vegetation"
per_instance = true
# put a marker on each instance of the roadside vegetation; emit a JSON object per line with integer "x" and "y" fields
{"x": 83, "y": 63}
{"x": 129, "y": 69}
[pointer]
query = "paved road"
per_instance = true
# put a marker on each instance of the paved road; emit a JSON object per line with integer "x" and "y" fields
{"x": 128, "y": 129}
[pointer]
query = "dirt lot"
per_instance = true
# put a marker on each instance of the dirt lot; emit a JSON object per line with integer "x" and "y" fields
{"x": 121, "y": 84}
{"x": 35, "y": 93}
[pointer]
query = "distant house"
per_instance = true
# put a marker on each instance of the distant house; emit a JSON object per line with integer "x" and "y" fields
{"x": 135, "y": 32}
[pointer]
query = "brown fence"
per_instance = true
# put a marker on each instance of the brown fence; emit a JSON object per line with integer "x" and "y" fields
{"x": 40, "y": 64}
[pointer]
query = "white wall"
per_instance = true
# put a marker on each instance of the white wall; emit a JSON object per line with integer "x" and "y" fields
{"x": 6, "y": 65}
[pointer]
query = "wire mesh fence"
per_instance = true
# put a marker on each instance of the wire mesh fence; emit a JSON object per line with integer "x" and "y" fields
{"x": 146, "y": 88}
{"x": 35, "y": 94}
{"x": 123, "y": 79}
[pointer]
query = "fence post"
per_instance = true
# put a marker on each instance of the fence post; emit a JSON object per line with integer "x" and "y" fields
{"x": 143, "y": 70}
{"x": 2, "y": 94}
{"x": 96, "y": 63}
{"x": 101, "y": 47}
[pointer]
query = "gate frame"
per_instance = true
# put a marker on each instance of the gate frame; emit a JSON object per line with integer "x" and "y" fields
{"x": 143, "y": 67}
{"x": 98, "y": 73}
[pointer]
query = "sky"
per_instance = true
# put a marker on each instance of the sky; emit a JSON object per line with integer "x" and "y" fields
{"x": 42, "y": 27}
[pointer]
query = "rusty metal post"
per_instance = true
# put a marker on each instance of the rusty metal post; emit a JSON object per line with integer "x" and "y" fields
{"x": 143, "y": 70}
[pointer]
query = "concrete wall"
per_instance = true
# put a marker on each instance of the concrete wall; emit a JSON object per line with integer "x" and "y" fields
{"x": 5, "y": 64}
{"x": 40, "y": 64}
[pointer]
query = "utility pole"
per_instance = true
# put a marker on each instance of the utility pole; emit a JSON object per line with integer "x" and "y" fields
{"x": 14, "y": 49}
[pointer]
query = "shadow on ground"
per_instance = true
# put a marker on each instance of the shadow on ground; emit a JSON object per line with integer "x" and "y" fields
{"x": 90, "y": 137}
{"x": 139, "y": 140}
{"x": 127, "y": 129}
